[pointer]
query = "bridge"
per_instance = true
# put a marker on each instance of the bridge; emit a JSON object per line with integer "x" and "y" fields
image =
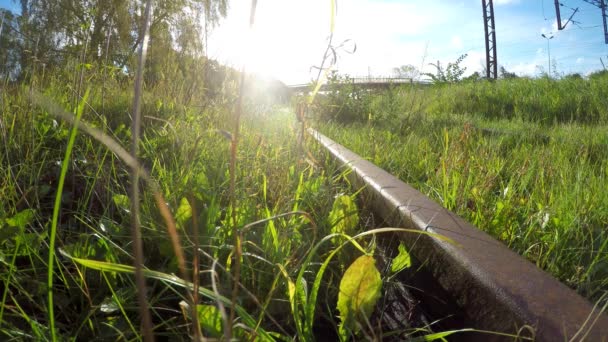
{"x": 360, "y": 82}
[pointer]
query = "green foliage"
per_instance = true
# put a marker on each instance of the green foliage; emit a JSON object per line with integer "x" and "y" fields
{"x": 183, "y": 213}
{"x": 360, "y": 289}
{"x": 528, "y": 184}
{"x": 93, "y": 21}
{"x": 344, "y": 215}
{"x": 402, "y": 260}
{"x": 537, "y": 100}
{"x": 543, "y": 101}
{"x": 506, "y": 74}
{"x": 450, "y": 74}
{"x": 21, "y": 219}
{"x": 407, "y": 71}
{"x": 184, "y": 149}
{"x": 344, "y": 103}
{"x": 210, "y": 319}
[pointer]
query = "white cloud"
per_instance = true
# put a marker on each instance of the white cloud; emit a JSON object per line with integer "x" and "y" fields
{"x": 456, "y": 42}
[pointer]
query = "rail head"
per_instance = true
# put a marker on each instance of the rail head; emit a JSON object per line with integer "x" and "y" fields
{"x": 498, "y": 289}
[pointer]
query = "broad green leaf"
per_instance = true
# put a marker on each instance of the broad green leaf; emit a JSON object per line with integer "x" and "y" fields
{"x": 184, "y": 212}
{"x": 402, "y": 260}
{"x": 27, "y": 243}
{"x": 21, "y": 219}
{"x": 210, "y": 320}
{"x": 123, "y": 202}
{"x": 202, "y": 182}
{"x": 360, "y": 289}
{"x": 344, "y": 215}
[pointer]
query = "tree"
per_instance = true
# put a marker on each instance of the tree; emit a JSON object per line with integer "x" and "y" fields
{"x": 407, "y": 71}
{"x": 451, "y": 74}
{"x": 9, "y": 58}
{"x": 55, "y": 30}
{"x": 506, "y": 74}
{"x": 474, "y": 77}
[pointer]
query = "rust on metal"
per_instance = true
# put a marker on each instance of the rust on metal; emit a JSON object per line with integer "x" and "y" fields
{"x": 497, "y": 289}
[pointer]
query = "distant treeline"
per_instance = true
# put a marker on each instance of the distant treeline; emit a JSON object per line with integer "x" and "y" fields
{"x": 58, "y": 39}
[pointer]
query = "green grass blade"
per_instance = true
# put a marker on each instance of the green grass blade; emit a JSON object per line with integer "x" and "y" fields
{"x": 55, "y": 219}
{"x": 247, "y": 319}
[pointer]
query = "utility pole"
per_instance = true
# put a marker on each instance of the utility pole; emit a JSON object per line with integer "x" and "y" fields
{"x": 490, "y": 37}
{"x": 548, "y": 51}
{"x": 558, "y": 16}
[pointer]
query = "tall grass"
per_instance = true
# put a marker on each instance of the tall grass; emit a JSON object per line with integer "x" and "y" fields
{"x": 284, "y": 209}
{"x": 541, "y": 100}
{"x": 521, "y": 159}
{"x": 57, "y": 206}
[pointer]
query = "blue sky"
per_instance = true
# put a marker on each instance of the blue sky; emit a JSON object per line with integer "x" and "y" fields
{"x": 290, "y": 35}
{"x": 9, "y": 4}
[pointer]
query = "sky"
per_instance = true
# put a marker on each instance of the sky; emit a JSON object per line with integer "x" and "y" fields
{"x": 289, "y": 37}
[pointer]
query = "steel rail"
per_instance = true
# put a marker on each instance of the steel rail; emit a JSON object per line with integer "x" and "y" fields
{"x": 497, "y": 289}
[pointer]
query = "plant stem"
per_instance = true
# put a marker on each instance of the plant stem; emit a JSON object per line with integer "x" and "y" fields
{"x": 135, "y": 223}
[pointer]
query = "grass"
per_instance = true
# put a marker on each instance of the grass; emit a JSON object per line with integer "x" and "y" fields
{"x": 66, "y": 215}
{"x": 524, "y": 160}
{"x": 264, "y": 237}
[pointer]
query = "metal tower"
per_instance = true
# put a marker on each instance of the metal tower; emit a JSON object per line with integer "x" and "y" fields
{"x": 490, "y": 37}
{"x": 602, "y": 6}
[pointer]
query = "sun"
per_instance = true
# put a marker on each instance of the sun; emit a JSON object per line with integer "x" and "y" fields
{"x": 287, "y": 38}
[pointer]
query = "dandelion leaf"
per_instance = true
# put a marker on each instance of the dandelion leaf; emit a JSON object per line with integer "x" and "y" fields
{"x": 360, "y": 289}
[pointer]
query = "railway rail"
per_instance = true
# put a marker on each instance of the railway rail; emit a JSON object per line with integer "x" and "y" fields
{"x": 496, "y": 289}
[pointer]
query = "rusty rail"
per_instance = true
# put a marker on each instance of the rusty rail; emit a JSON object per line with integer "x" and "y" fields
{"x": 497, "y": 289}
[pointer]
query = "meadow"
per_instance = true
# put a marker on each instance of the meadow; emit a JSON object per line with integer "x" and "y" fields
{"x": 66, "y": 253}
{"x": 525, "y": 160}
{"x": 220, "y": 221}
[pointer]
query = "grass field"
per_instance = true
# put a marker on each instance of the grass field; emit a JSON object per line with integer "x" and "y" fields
{"x": 525, "y": 160}
{"x": 293, "y": 214}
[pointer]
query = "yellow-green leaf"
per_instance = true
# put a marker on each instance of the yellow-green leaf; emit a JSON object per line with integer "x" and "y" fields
{"x": 22, "y": 218}
{"x": 184, "y": 212}
{"x": 402, "y": 260}
{"x": 360, "y": 289}
{"x": 210, "y": 319}
{"x": 123, "y": 202}
{"x": 344, "y": 215}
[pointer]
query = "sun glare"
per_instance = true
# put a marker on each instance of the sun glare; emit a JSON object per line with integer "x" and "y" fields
{"x": 287, "y": 39}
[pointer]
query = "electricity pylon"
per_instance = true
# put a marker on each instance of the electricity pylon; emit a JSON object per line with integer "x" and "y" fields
{"x": 490, "y": 37}
{"x": 601, "y": 4}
